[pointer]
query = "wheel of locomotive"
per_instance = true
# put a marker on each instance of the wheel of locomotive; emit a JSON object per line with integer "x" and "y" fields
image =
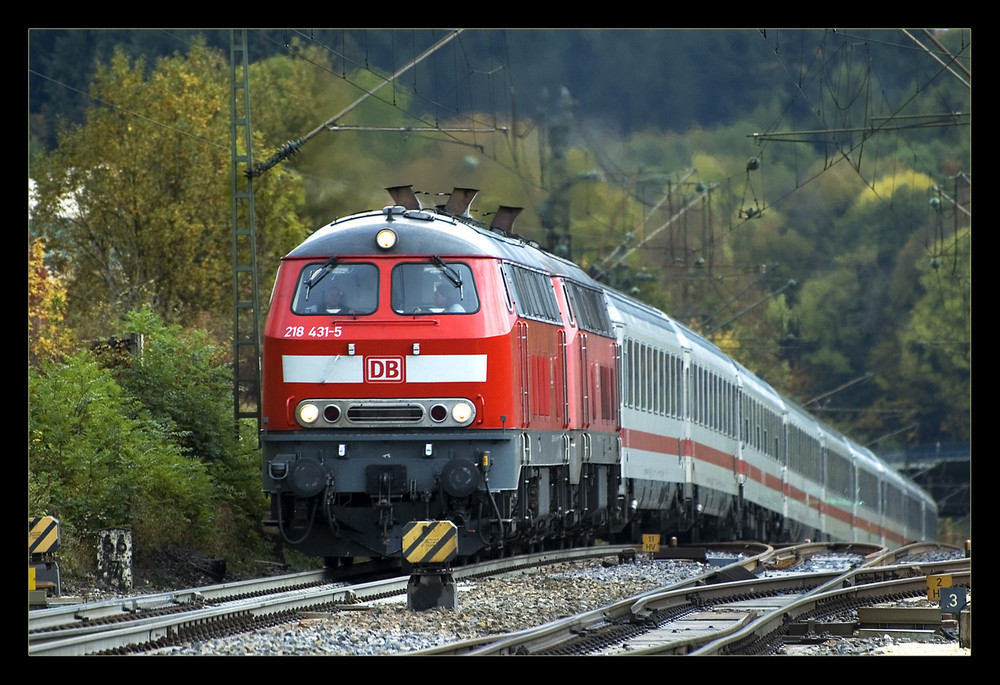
{"x": 337, "y": 562}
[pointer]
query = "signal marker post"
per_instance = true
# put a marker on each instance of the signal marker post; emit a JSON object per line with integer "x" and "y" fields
{"x": 43, "y": 571}
{"x": 430, "y": 546}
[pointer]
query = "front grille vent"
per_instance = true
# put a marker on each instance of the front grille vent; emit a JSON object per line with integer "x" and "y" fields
{"x": 412, "y": 413}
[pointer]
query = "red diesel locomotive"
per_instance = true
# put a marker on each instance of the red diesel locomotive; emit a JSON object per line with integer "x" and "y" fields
{"x": 420, "y": 366}
{"x": 423, "y": 366}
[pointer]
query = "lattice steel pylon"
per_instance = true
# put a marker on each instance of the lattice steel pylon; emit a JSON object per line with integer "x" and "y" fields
{"x": 246, "y": 314}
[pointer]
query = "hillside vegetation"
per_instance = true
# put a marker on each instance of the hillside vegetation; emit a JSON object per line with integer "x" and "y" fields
{"x": 803, "y": 198}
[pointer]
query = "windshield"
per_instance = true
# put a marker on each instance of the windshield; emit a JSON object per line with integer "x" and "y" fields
{"x": 433, "y": 288}
{"x": 348, "y": 289}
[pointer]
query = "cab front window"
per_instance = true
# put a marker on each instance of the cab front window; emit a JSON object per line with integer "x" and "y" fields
{"x": 433, "y": 288}
{"x": 337, "y": 289}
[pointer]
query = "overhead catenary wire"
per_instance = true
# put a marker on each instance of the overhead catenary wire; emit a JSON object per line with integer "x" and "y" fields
{"x": 292, "y": 147}
{"x": 952, "y": 62}
{"x": 851, "y": 150}
{"x": 678, "y": 214}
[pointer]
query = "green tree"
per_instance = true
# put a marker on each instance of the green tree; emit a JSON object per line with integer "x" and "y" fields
{"x": 936, "y": 347}
{"x": 136, "y": 202}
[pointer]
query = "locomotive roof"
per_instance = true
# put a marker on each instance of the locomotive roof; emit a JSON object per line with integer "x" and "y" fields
{"x": 432, "y": 232}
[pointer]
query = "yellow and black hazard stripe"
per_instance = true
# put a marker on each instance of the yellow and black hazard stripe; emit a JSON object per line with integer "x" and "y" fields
{"x": 430, "y": 542}
{"x": 43, "y": 534}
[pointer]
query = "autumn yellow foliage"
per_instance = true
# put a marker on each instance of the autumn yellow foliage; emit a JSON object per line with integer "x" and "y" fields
{"x": 47, "y": 337}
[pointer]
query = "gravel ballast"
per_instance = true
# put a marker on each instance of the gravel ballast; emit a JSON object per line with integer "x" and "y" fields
{"x": 490, "y": 606}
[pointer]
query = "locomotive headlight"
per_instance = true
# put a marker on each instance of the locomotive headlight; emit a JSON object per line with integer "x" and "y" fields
{"x": 308, "y": 413}
{"x": 385, "y": 238}
{"x": 461, "y": 412}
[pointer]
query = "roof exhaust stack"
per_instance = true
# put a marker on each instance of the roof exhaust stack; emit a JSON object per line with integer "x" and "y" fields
{"x": 404, "y": 197}
{"x": 503, "y": 220}
{"x": 460, "y": 200}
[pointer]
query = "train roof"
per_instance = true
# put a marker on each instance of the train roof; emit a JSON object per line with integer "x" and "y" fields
{"x": 432, "y": 231}
{"x": 702, "y": 347}
{"x": 444, "y": 231}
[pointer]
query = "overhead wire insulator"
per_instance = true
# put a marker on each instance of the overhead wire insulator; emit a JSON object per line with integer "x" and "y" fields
{"x": 284, "y": 152}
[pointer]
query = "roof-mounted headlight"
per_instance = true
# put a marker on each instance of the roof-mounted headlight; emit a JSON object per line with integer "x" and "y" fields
{"x": 385, "y": 239}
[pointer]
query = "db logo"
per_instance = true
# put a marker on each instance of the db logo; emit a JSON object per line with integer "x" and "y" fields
{"x": 383, "y": 369}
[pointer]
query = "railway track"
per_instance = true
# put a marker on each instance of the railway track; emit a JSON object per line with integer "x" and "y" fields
{"x": 151, "y": 622}
{"x": 714, "y": 615}
{"x": 742, "y": 606}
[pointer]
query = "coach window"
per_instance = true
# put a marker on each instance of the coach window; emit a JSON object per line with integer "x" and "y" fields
{"x": 702, "y": 390}
{"x": 661, "y": 375}
{"x": 644, "y": 377}
{"x": 747, "y": 418}
{"x": 695, "y": 411}
{"x": 630, "y": 372}
{"x": 338, "y": 289}
{"x": 714, "y": 399}
{"x": 433, "y": 288}
{"x": 676, "y": 376}
{"x": 644, "y": 401}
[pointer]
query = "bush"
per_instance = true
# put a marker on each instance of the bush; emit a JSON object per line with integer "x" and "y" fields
{"x": 184, "y": 382}
{"x": 95, "y": 461}
{"x": 144, "y": 441}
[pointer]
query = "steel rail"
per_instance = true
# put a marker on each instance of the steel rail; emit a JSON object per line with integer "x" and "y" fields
{"x": 92, "y": 612}
{"x": 774, "y": 622}
{"x": 87, "y": 636}
{"x": 533, "y": 640}
{"x": 706, "y": 589}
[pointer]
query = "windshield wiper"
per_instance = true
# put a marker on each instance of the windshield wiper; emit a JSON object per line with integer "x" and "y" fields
{"x": 318, "y": 274}
{"x": 449, "y": 272}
